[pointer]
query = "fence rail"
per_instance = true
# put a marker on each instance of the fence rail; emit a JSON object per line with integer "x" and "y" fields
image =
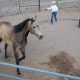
{"x": 34, "y": 71}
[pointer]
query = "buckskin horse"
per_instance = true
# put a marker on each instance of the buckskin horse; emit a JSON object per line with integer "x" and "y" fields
{"x": 16, "y": 36}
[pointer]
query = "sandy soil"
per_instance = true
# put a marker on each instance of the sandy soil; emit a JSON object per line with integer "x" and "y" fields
{"x": 62, "y": 35}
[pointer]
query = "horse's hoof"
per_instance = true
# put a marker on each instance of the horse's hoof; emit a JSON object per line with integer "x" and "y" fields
{"x": 19, "y": 74}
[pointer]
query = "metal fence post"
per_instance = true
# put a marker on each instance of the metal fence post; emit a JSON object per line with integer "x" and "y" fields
{"x": 57, "y": 2}
{"x": 1, "y": 12}
{"x": 19, "y": 10}
{"x": 39, "y": 5}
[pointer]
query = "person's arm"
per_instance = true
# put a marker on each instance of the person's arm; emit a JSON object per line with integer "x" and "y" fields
{"x": 49, "y": 8}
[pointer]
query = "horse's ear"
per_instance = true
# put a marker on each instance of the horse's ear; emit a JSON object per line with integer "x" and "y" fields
{"x": 34, "y": 18}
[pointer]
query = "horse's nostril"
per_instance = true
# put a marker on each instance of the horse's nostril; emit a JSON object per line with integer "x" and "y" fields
{"x": 41, "y": 37}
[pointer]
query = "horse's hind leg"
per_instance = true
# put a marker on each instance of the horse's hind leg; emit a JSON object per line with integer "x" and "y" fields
{"x": 6, "y": 45}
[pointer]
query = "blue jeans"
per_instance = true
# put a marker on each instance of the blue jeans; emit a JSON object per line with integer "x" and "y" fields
{"x": 54, "y": 14}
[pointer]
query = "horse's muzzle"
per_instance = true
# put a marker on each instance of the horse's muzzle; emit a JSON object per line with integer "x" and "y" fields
{"x": 41, "y": 37}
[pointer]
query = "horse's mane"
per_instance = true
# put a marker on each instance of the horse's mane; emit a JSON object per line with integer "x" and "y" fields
{"x": 20, "y": 26}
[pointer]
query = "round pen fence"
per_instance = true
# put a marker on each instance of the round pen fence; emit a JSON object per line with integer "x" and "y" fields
{"x": 35, "y": 71}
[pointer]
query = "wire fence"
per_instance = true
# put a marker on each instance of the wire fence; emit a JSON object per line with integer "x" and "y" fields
{"x": 35, "y": 71}
{"x": 13, "y": 7}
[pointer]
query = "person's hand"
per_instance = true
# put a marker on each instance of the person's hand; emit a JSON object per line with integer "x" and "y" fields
{"x": 45, "y": 9}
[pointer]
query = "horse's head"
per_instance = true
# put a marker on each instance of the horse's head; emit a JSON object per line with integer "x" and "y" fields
{"x": 34, "y": 29}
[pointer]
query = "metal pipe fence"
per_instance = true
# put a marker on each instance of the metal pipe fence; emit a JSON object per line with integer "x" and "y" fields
{"x": 13, "y": 7}
{"x": 35, "y": 71}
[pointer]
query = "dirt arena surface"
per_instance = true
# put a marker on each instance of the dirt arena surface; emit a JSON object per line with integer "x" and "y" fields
{"x": 62, "y": 35}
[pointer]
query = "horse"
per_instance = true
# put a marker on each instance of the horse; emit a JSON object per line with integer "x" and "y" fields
{"x": 16, "y": 36}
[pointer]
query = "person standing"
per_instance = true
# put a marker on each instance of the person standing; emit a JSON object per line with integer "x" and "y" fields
{"x": 54, "y": 10}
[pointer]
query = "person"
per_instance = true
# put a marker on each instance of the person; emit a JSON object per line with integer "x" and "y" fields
{"x": 54, "y": 10}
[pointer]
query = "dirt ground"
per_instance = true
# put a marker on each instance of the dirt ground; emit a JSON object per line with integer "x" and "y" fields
{"x": 62, "y": 35}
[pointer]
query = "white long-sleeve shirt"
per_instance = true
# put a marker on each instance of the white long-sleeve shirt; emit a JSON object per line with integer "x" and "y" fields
{"x": 53, "y": 8}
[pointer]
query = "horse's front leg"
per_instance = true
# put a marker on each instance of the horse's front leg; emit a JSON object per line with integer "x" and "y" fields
{"x": 17, "y": 59}
{"x": 23, "y": 54}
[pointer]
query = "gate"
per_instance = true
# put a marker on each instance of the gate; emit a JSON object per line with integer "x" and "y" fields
{"x": 13, "y": 7}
